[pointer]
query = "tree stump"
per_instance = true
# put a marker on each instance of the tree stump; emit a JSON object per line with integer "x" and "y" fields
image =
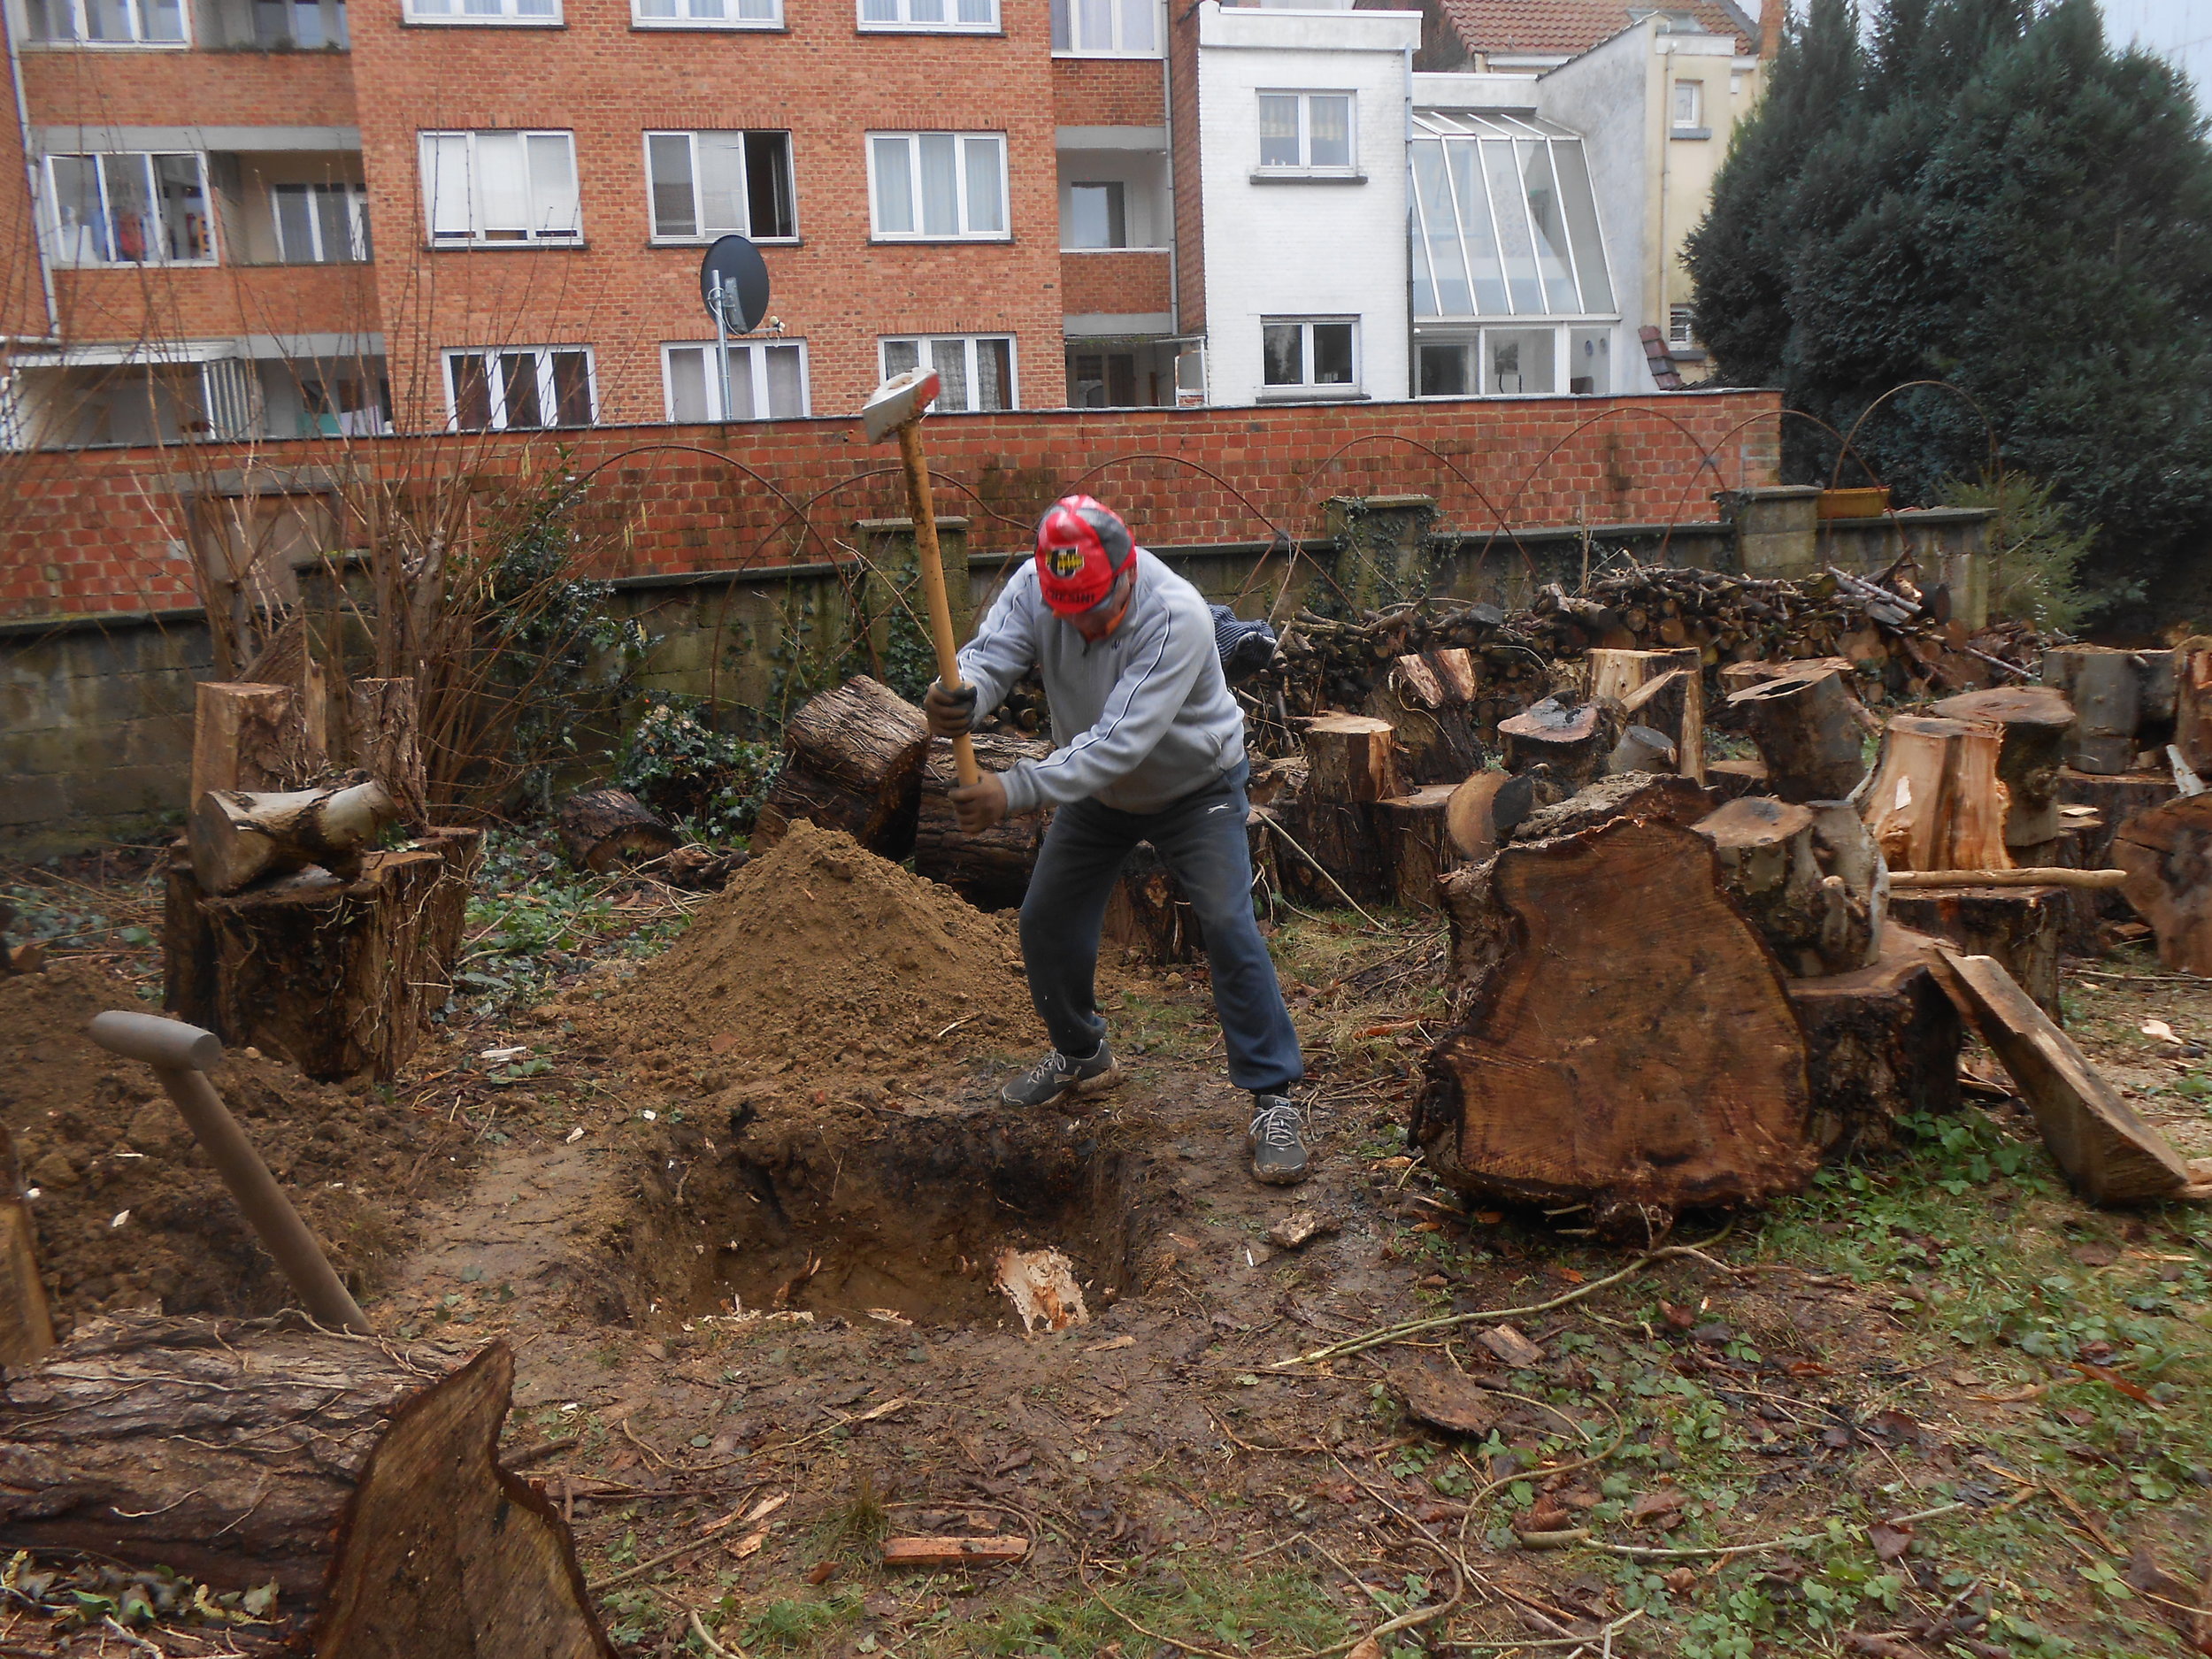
{"x": 339, "y": 977}
{"x": 2104, "y": 688}
{"x": 1935, "y": 803}
{"x": 2021, "y": 928}
{"x": 1350, "y": 758}
{"x": 1627, "y": 1041}
{"x": 1640, "y": 683}
{"x": 1731, "y": 779}
{"x": 1147, "y": 912}
{"x": 602, "y": 828}
{"x": 1880, "y": 1041}
{"x": 2038, "y": 727}
{"x": 1808, "y": 878}
{"x": 852, "y": 762}
{"x": 2167, "y": 852}
{"x": 2191, "y": 683}
{"x": 990, "y": 870}
{"x": 1331, "y": 852}
{"x": 361, "y": 1476}
{"x": 1811, "y": 732}
{"x": 2110, "y": 1154}
{"x": 1572, "y": 739}
{"x": 1646, "y": 794}
{"x": 27, "y": 1324}
{"x": 384, "y": 729}
{"x": 1429, "y": 701}
{"x": 1416, "y": 843}
{"x": 248, "y": 738}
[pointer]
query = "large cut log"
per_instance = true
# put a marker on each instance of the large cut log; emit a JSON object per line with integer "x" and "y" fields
{"x": 1728, "y": 780}
{"x": 1331, "y": 853}
{"x": 2104, "y": 688}
{"x": 1350, "y": 758}
{"x": 2167, "y": 852}
{"x": 1416, "y": 843}
{"x": 1642, "y": 684}
{"x": 990, "y": 870}
{"x": 360, "y": 1476}
{"x": 384, "y": 733}
{"x": 1936, "y": 803}
{"x": 2111, "y": 1155}
{"x": 1429, "y": 701}
{"x": 248, "y": 738}
{"x": 340, "y": 977}
{"x": 1810, "y": 731}
{"x": 1881, "y": 1043}
{"x": 240, "y": 839}
{"x": 1486, "y": 810}
{"x": 1147, "y": 913}
{"x": 2191, "y": 681}
{"x": 602, "y": 828}
{"x": 2021, "y": 928}
{"x": 852, "y": 761}
{"x": 27, "y": 1325}
{"x": 1808, "y": 877}
{"x": 1627, "y": 1043}
{"x": 1572, "y": 738}
{"x": 2039, "y": 726}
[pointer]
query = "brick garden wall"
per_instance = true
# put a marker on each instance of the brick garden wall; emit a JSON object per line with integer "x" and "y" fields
{"x": 104, "y": 531}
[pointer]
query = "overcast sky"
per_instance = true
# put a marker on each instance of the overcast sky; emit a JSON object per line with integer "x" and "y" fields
{"x": 2181, "y": 29}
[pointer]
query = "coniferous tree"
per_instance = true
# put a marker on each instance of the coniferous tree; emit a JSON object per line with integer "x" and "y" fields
{"x": 2007, "y": 205}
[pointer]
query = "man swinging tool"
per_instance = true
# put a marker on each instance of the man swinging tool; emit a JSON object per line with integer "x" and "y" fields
{"x": 1149, "y": 747}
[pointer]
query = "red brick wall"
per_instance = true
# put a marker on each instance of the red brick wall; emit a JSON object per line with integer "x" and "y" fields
{"x": 608, "y": 82}
{"x": 215, "y": 302}
{"x": 1115, "y": 282}
{"x": 98, "y": 529}
{"x": 1108, "y": 92}
{"x": 194, "y": 88}
{"x": 22, "y": 291}
{"x": 1190, "y": 223}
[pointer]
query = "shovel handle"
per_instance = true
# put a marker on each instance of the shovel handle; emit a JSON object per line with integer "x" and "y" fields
{"x": 932, "y": 565}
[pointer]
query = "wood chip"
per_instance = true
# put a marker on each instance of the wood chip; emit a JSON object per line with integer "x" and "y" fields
{"x": 1512, "y": 1347}
{"x": 1300, "y": 1228}
{"x": 1446, "y": 1399}
{"x": 954, "y": 1552}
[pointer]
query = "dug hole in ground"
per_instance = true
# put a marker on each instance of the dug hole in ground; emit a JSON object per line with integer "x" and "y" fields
{"x": 745, "y": 1228}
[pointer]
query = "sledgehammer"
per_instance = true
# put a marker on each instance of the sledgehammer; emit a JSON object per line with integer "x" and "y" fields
{"x": 180, "y": 1055}
{"x": 898, "y": 405}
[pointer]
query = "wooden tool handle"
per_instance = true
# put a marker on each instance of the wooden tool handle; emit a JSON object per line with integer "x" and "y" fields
{"x": 932, "y": 569}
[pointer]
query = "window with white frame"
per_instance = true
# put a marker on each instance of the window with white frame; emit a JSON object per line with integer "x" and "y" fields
{"x": 981, "y": 15}
{"x": 1317, "y": 354}
{"x": 1307, "y": 131}
{"x": 321, "y": 223}
{"x": 704, "y": 185}
{"x": 1689, "y": 107}
{"x": 517, "y": 388}
{"x": 767, "y": 381}
{"x": 707, "y": 14}
{"x": 974, "y": 372}
{"x": 529, "y": 13}
{"x": 938, "y": 186}
{"x": 128, "y": 208}
{"x": 1682, "y": 326}
{"x": 1106, "y": 28}
{"x": 494, "y": 189}
{"x": 105, "y": 22}
{"x": 300, "y": 26}
{"x": 1098, "y": 216}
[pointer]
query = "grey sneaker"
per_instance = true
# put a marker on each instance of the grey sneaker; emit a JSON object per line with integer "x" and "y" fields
{"x": 1277, "y": 1140}
{"x": 1056, "y": 1075}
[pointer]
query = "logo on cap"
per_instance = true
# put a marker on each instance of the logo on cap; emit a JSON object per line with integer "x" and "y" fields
{"x": 1066, "y": 562}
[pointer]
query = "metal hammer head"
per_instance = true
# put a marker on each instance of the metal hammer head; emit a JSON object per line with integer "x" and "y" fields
{"x": 897, "y": 401}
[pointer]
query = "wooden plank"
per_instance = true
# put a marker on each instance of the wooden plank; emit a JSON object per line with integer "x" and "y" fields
{"x": 986, "y": 1551}
{"x": 27, "y": 1326}
{"x": 2110, "y": 1154}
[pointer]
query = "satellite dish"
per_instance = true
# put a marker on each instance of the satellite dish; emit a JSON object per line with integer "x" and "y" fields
{"x": 734, "y": 283}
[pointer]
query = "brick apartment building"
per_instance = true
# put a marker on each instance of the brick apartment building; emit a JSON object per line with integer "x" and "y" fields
{"x": 280, "y": 217}
{"x": 286, "y": 216}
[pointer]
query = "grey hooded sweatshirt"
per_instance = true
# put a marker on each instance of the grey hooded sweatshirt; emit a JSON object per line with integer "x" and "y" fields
{"x": 1140, "y": 719}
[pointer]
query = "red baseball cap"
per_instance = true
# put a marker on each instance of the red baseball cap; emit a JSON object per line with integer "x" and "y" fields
{"x": 1082, "y": 546}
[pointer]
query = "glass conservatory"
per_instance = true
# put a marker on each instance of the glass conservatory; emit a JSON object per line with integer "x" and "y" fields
{"x": 1511, "y": 291}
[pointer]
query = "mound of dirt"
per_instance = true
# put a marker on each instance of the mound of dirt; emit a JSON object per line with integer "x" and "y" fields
{"x": 821, "y": 958}
{"x": 130, "y": 1215}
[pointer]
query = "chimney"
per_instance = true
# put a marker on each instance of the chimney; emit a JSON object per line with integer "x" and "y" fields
{"x": 1772, "y": 15}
